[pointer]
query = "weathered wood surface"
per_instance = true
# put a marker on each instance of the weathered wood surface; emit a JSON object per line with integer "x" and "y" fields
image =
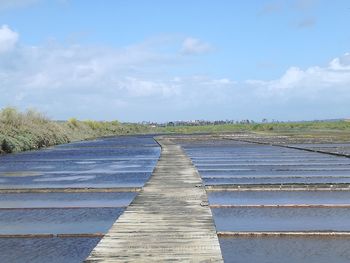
{"x": 169, "y": 220}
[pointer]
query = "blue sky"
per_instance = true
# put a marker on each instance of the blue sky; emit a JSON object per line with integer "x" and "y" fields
{"x": 176, "y": 60}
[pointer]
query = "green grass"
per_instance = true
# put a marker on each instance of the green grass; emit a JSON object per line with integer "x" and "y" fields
{"x": 21, "y": 131}
{"x": 263, "y": 127}
{"x": 316, "y": 131}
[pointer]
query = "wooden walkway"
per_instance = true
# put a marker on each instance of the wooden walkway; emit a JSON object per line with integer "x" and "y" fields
{"x": 169, "y": 220}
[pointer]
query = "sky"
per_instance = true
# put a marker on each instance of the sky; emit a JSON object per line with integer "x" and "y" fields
{"x": 157, "y": 60}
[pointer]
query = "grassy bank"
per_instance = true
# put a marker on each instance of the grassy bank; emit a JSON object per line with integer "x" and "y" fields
{"x": 288, "y": 127}
{"x": 296, "y": 132}
{"x": 21, "y": 131}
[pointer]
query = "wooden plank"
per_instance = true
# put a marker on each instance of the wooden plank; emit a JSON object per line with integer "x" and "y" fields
{"x": 169, "y": 220}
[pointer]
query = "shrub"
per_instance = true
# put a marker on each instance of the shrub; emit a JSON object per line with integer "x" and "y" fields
{"x": 73, "y": 122}
{"x": 20, "y": 131}
{"x": 10, "y": 116}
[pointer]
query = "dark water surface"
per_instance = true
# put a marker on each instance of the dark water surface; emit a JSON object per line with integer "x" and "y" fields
{"x": 46, "y": 250}
{"x": 58, "y": 221}
{"x": 111, "y": 162}
{"x": 56, "y": 200}
{"x": 282, "y": 219}
{"x": 232, "y": 162}
{"x": 279, "y": 197}
{"x": 285, "y": 250}
{"x": 126, "y": 161}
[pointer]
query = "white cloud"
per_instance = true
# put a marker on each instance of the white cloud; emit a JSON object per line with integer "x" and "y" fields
{"x": 55, "y": 78}
{"x": 8, "y": 39}
{"x": 314, "y": 84}
{"x": 191, "y": 46}
{"x": 136, "y": 83}
{"x": 136, "y": 87}
{"x": 341, "y": 63}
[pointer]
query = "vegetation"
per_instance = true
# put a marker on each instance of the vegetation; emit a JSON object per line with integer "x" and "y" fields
{"x": 21, "y": 131}
{"x": 282, "y": 127}
{"x": 313, "y": 131}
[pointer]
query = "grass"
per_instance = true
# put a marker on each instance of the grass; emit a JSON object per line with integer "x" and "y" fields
{"x": 313, "y": 131}
{"x": 264, "y": 127}
{"x": 21, "y": 131}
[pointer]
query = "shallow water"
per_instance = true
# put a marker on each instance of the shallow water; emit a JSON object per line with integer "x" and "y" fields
{"x": 224, "y": 162}
{"x": 56, "y": 200}
{"x": 83, "y": 153}
{"x": 129, "y": 161}
{"x": 41, "y": 166}
{"x": 282, "y": 219}
{"x": 110, "y": 162}
{"x": 58, "y": 221}
{"x": 39, "y": 250}
{"x": 279, "y": 197}
{"x": 242, "y": 163}
{"x": 285, "y": 249}
{"x": 77, "y": 180}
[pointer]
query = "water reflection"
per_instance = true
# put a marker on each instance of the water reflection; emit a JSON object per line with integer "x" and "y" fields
{"x": 104, "y": 163}
{"x": 286, "y": 250}
{"x": 39, "y": 250}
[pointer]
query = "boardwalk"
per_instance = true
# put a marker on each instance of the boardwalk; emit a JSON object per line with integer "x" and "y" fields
{"x": 169, "y": 220}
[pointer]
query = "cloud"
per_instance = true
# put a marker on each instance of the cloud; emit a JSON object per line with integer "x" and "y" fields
{"x": 8, "y": 39}
{"x": 306, "y": 23}
{"x": 136, "y": 82}
{"x": 313, "y": 82}
{"x": 341, "y": 63}
{"x": 10, "y": 4}
{"x": 95, "y": 81}
{"x": 313, "y": 93}
{"x": 193, "y": 46}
